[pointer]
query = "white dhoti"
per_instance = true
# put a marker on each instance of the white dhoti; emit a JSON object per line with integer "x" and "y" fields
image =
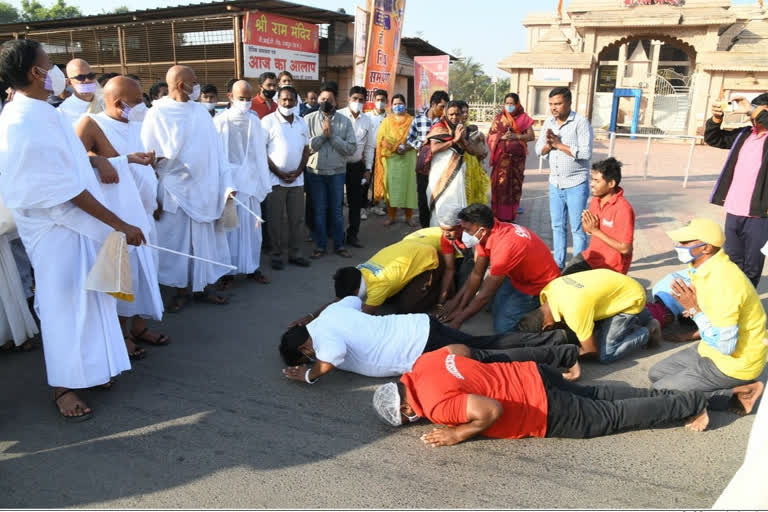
{"x": 245, "y": 241}
{"x": 16, "y": 321}
{"x": 445, "y": 169}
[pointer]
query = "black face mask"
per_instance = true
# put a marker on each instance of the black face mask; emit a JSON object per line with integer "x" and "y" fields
{"x": 326, "y": 107}
{"x": 269, "y": 94}
{"x": 762, "y": 118}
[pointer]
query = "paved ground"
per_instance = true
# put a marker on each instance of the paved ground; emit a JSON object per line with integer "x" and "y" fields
{"x": 208, "y": 421}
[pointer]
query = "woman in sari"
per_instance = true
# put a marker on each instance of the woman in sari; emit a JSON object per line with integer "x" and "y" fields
{"x": 448, "y": 139}
{"x": 395, "y": 171}
{"x": 508, "y": 142}
{"x": 478, "y": 184}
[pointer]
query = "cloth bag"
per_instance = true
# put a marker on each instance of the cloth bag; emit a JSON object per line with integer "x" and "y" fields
{"x": 111, "y": 273}
{"x": 228, "y": 220}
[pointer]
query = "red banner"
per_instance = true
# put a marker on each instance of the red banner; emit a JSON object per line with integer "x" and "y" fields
{"x": 384, "y": 30}
{"x": 274, "y": 43}
{"x": 430, "y": 74}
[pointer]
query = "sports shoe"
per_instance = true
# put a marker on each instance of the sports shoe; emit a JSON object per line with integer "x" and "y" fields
{"x": 363, "y": 214}
{"x": 378, "y": 210}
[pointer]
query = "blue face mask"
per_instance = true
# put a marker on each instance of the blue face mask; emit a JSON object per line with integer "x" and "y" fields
{"x": 398, "y": 109}
{"x": 510, "y": 108}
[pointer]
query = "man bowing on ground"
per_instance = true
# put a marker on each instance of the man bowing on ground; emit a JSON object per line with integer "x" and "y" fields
{"x": 193, "y": 183}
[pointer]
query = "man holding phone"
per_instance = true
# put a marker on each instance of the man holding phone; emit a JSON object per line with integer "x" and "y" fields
{"x": 741, "y": 187}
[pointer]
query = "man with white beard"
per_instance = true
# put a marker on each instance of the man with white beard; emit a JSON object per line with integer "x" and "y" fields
{"x": 87, "y": 97}
{"x": 131, "y": 194}
{"x": 194, "y": 182}
{"x": 48, "y": 182}
{"x": 245, "y": 142}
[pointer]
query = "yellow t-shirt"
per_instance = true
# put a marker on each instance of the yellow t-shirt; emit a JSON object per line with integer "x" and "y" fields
{"x": 728, "y": 298}
{"x": 393, "y": 267}
{"x": 431, "y": 237}
{"x": 584, "y": 298}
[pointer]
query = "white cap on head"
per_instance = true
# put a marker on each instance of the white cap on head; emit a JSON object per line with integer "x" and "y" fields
{"x": 448, "y": 216}
{"x": 386, "y": 403}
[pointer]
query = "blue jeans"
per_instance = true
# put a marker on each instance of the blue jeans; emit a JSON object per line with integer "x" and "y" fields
{"x": 510, "y": 305}
{"x": 567, "y": 202}
{"x": 622, "y": 334}
{"x": 327, "y": 193}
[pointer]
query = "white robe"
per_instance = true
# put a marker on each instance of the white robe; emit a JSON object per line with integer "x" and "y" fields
{"x": 73, "y": 108}
{"x": 44, "y": 165}
{"x": 193, "y": 185}
{"x": 135, "y": 205}
{"x": 245, "y": 142}
{"x": 16, "y": 321}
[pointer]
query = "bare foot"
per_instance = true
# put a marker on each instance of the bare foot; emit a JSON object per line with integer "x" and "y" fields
{"x": 682, "y": 335}
{"x": 744, "y": 397}
{"x": 411, "y": 223}
{"x": 654, "y": 334}
{"x": 69, "y": 404}
{"x": 699, "y": 422}
{"x": 573, "y": 373}
{"x": 389, "y": 222}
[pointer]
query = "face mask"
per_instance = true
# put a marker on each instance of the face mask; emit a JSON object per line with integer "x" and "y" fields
{"x": 470, "y": 240}
{"x": 413, "y": 418}
{"x": 762, "y": 118}
{"x": 89, "y": 88}
{"x": 55, "y": 81}
{"x": 685, "y": 254}
{"x": 195, "y": 94}
{"x": 326, "y": 107}
{"x": 380, "y": 105}
{"x": 241, "y": 106}
{"x": 209, "y": 106}
{"x": 398, "y": 109}
{"x": 355, "y": 107}
{"x": 135, "y": 113}
{"x": 269, "y": 94}
{"x": 284, "y": 111}
{"x": 510, "y": 108}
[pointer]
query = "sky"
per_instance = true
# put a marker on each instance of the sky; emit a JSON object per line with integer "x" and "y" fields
{"x": 486, "y": 30}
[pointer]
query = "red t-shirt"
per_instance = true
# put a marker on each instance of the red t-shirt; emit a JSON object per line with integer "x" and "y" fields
{"x": 449, "y": 247}
{"x": 259, "y": 106}
{"x": 617, "y": 220}
{"x": 519, "y": 254}
{"x": 439, "y": 384}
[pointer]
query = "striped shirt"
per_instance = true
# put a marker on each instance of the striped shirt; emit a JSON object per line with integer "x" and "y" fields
{"x": 576, "y": 133}
{"x": 420, "y": 127}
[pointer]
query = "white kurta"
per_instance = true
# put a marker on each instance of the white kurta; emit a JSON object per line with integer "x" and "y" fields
{"x": 73, "y": 108}
{"x": 44, "y": 166}
{"x": 193, "y": 185}
{"x": 245, "y": 142}
{"x": 16, "y": 321}
{"x": 134, "y": 205}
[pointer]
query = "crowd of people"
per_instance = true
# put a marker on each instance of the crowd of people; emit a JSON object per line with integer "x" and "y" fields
{"x": 189, "y": 188}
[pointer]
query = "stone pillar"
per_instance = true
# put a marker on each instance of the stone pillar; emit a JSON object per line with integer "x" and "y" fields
{"x": 621, "y": 68}
{"x": 651, "y": 91}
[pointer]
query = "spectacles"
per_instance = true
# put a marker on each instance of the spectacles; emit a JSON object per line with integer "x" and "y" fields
{"x": 83, "y": 78}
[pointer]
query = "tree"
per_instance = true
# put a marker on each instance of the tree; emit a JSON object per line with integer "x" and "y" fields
{"x": 8, "y": 13}
{"x": 32, "y": 10}
{"x": 467, "y": 80}
{"x": 119, "y": 10}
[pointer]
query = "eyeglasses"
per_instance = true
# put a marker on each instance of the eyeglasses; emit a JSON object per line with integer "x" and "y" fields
{"x": 83, "y": 78}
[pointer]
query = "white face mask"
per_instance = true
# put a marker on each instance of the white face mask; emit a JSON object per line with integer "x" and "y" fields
{"x": 470, "y": 240}
{"x": 88, "y": 88}
{"x": 685, "y": 254}
{"x": 285, "y": 112}
{"x": 380, "y": 106}
{"x": 209, "y": 106}
{"x": 241, "y": 106}
{"x": 135, "y": 113}
{"x": 55, "y": 81}
{"x": 195, "y": 94}
{"x": 413, "y": 418}
{"x": 362, "y": 294}
{"x": 355, "y": 107}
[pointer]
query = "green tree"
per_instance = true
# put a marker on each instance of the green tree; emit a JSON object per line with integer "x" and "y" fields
{"x": 502, "y": 88}
{"x": 32, "y": 10}
{"x": 8, "y": 13}
{"x": 467, "y": 80}
{"x": 119, "y": 10}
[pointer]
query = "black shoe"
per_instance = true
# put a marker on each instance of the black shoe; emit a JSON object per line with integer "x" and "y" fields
{"x": 299, "y": 262}
{"x": 354, "y": 242}
{"x": 277, "y": 265}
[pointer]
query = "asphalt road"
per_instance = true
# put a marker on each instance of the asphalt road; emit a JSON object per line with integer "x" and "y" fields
{"x": 209, "y": 421}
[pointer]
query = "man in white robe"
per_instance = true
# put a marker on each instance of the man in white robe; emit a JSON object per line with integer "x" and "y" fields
{"x": 116, "y": 134}
{"x": 245, "y": 142}
{"x": 87, "y": 97}
{"x": 194, "y": 183}
{"x": 48, "y": 182}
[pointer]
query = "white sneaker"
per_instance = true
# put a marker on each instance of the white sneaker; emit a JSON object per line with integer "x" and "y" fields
{"x": 363, "y": 214}
{"x": 378, "y": 210}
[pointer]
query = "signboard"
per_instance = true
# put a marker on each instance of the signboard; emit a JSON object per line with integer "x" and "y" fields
{"x": 675, "y": 3}
{"x": 552, "y": 75}
{"x": 274, "y": 43}
{"x": 361, "y": 37}
{"x": 384, "y": 28}
{"x": 430, "y": 74}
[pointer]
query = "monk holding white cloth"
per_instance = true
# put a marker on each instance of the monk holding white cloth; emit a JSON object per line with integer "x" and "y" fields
{"x": 194, "y": 185}
{"x": 48, "y": 182}
{"x": 245, "y": 144}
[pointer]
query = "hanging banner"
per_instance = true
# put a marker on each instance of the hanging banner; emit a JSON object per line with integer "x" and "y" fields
{"x": 361, "y": 37}
{"x": 274, "y": 43}
{"x": 384, "y": 28}
{"x": 430, "y": 74}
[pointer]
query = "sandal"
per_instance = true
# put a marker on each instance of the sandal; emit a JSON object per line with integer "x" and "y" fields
{"x": 343, "y": 253}
{"x": 211, "y": 298}
{"x": 225, "y": 282}
{"x": 72, "y": 419}
{"x": 259, "y": 277}
{"x": 177, "y": 304}
{"x": 161, "y": 339}
{"x": 107, "y": 386}
{"x": 318, "y": 253}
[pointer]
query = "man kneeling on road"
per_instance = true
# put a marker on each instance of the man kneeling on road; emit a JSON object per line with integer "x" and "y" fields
{"x": 731, "y": 320}
{"x": 522, "y": 399}
{"x": 345, "y": 337}
{"x": 616, "y": 302}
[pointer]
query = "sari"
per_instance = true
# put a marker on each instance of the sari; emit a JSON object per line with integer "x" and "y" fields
{"x": 508, "y": 163}
{"x": 447, "y": 175}
{"x": 478, "y": 184}
{"x": 395, "y": 175}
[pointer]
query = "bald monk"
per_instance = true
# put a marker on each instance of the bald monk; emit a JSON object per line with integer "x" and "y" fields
{"x": 87, "y": 96}
{"x": 132, "y": 194}
{"x": 245, "y": 144}
{"x": 194, "y": 182}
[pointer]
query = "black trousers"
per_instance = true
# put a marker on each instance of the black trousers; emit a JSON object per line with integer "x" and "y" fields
{"x": 422, "y": 182}
{"x": 744, "y": 237}
{"x": 355, "y": 173}
{"x": 578, "y": 411}
{"x": 543, "y": 348}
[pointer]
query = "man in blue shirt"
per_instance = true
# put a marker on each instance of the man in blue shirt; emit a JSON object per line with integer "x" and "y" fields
{"x": 566, "y": 140}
